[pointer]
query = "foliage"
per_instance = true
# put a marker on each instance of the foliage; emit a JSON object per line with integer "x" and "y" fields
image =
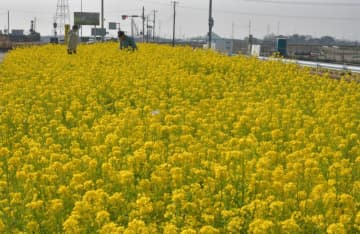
{"x": 174, "y": 140}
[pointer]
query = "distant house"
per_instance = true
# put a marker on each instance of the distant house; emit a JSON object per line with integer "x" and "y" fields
{"x": 223, "y": 46}
{"x": 218, "y": 43}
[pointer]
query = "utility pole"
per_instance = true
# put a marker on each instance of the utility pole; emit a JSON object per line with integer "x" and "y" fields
{"x": 249, "y": 27}
{"x": 102, "y": 19}
{"x": 174, "y": 23}
{"x": 250, "y": 39}
{"x": 159, "y": 30}
{"x": 147, "y": 29}
{"x": 211, "y": 23}
{"x": 8, "y": 23}
{"x": 132, "y": 27}
{"x": 143, "y": 23}
{"x": 154, "y": 25}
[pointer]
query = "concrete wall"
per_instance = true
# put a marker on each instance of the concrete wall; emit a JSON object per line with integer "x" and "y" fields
{"x": 5, "y": 43}
{"x": 313, "y": 52}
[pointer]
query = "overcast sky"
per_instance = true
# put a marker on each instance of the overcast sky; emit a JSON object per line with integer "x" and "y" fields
{"x": 337, "y": 18}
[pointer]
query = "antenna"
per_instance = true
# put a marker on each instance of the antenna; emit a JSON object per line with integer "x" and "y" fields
{"x": 249, "y": 27}
{"x": 62, "y": 16}
{"x": 232, "y": 30}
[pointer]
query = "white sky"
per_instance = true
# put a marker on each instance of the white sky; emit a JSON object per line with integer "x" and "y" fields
{"x": 337, "y": 18}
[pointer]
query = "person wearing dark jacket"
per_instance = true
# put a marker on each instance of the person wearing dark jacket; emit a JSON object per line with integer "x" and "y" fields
{"x": 126, "y": 42}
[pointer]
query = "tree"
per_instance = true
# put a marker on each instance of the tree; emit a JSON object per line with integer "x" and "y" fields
{"x": 327, "y": 40}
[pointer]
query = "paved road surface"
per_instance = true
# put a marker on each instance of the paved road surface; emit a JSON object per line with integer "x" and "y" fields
{"x": 1, "y": 56}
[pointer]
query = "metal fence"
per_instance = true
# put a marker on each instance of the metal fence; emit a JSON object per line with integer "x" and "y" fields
{"x": 330, "y": 66}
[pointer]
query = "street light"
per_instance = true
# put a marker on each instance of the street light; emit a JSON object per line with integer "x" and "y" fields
{"x": 81, "y": 10}
{"x": 124, "y": 17}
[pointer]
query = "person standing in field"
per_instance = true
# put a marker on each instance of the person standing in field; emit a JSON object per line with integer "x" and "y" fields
{"x": 126, "y": 42}
{"x": 73, "y": 40}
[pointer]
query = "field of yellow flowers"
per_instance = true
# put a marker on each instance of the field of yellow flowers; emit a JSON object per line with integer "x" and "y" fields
{"x": 174, "y": 140}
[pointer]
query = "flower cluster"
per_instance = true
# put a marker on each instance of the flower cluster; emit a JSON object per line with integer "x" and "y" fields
{"x": 174, "y": 140}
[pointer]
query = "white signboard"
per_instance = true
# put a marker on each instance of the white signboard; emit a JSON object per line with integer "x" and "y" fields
{"x": 255, "y": 50}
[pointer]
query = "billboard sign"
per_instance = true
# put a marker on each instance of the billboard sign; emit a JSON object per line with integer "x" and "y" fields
{"x": 112, "y": 26}
{"x": 86, "y": 18}
{"x": 98, "y": 31}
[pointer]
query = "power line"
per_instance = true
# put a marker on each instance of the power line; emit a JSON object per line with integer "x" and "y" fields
{"x": 292, "y": 16}
{"x": 274, "y": 15}
{"x": 155, "y": 2}
{"x": 31, "y": 12}
{"x": 120, "y": 12}
{"x": 347, "y": 4}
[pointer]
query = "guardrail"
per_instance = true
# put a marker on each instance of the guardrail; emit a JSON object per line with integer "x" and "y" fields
{"x": 330, "y": 66}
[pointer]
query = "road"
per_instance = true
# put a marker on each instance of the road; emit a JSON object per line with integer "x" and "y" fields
{"x": 2, "y": 55}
